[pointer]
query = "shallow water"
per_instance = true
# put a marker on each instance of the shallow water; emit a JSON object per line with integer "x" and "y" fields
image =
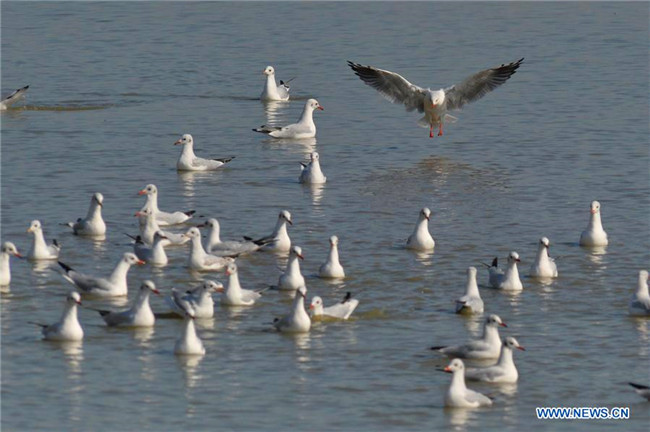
{"x": 114, "y": 85}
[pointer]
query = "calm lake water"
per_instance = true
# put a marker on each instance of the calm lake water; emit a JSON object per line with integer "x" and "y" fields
{"x": 113, "y": 85}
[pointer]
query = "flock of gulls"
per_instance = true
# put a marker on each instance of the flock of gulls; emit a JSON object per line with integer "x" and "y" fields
{"x": 216, "y": 255}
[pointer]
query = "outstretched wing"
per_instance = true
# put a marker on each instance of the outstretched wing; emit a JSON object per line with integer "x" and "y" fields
{"x": 392, "y": 86}
{"x": 479, "y": 84}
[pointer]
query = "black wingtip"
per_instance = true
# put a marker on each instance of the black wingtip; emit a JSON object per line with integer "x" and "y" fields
{"x": 189, "y": 213}
{"x": 248, "y": 238}
{"x": 639, "y": 386}
{"x": 436, "y": 348}
{"x": 56, "y": 243}
{"x": 226, "y": 160}
{"x": 495, "y": 262}
{"x": 103, "y": 312}
{"x": 348, "y": 296}
{"x": 65, "y": 267}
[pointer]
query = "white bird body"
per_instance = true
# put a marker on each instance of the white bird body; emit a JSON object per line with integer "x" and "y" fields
{"x": 155, "y": 254}
{"x": 215, "y": 246}
{"x": 640, "y": 301}
{"x": 189, "y": 343}
{"x": 40, "y": 250}
{"x": 544, "y": 266}
{"x": 292, "y": 278}
{"x": 311, "y": 172}
{"x": 234, "y": 294}
{"x": 139, "y": 315}
{"x": 434, "y": 103}
{"x": 504, "y": 371}
{"x": 8, "y": 249}
{"x": 305, "y": 128}
{"x": 93, "y": 224}
{"x": 332, "y": 268}
{"x": 273, "y": 92}
{"x": 594, "y": 235}
{"x": 341, "y": 310}
{"x": 188, "y": 161}
{"x": 149, "y": 227}
{"x": 113, "y": 286}
{"x": 14, "y": 97}
{"x": 199, "y": 259}
{"x": 161, "y": 217}
{"x": 68, "y": 327}
{"x": 421, "y": 239}
{"x": 488, "y": 347}
{"x": 471, "y": 302}
{"x": 199, "y": 299}
{"x": 458, "y": 395}
{"x": 508, "y": 280}
{"x": 298, "y": 320}
{"x": 279, "y": 240}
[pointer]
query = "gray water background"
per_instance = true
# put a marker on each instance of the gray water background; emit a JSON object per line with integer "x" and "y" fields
{"x": 113, "y": 85}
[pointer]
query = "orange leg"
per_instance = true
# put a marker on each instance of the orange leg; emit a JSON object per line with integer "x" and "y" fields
{"x": 440, "y": 130}
{"x": 431, "y": 131}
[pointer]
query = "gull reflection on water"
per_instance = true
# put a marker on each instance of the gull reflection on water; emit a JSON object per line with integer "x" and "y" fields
{"x": 73, "y": 355}
{"x": 596, "y": 255}
{"x": 642, "y": 325}
{"x": 316, "y": 193}
{"x": 189, "y": 364}
{"x": 458, "y": 417}
{"x": 276, "y": 112}
{"x": 295, "y": 146}
{"x": 190, "y": 179}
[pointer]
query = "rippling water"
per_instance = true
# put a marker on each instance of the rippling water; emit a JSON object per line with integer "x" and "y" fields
{"x": 114, "y": 85}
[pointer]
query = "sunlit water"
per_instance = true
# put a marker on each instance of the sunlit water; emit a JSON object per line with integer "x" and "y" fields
{"x": 114, "y": 85}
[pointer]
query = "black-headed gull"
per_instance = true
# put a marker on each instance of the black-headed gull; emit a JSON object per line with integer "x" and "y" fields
{"x": 14, "y": 97}
{"x": 188, "y": 161}
{"x": 234, "y": 294}
{"x": 139, "y": 315}
{"x": 154, "y": 254}
{"x": 332, "y": 268}
{"x": 149, "y": 227}
{"x": 640, "y": 301}
{"x": 189, "y": 343}
{"x": 92, "y": 225}
{"x": 508, "y": 280}
{"x": 68, "y": 327}
{"x": 215, "y": 246}
{"x": 272, "y": 91}
{"x": 199, "y": 299}
{"x": 471, "y": 302}
{"x": 504, "y": 371}
{"x": 305, "y": 128}
{"x": 341, "y": 310}
{"x": 311, "y": 173}
{"x": 40, "y": 250}
{"x": 458, "y": 395}
{"x": 298, "y": 320}
{"x": 279, "y": 240}
{"x": 488, "y": 347}
{"x": 544, "y": 266}
{"x": 434, "y": 103}
{"x": 594, "y": 235}
{"x": 113, "y": 286}
{"x": 8, "y": 249}
{"x": 163, "y": 218}
{"x": 421, "y": 239}
{"x": 292, "y": 278}
{"x": 642, "y": 390}
{"x": 199, "y": 259}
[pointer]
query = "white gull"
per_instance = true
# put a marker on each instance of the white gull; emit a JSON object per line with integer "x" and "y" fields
{"x": 272, "y": 91}
{"x": 640, "y": 301}
{"x": 163, "y": 218}
{"x": 471, "y": 302}
{"x": 311, "y": 173}
{"x": 504, "y": 371}
{"x": 332, "y": 268}
{"x": 508, "y": 280}
{"x": 458, "y": 395}
{"x": 594, "y": 235}
{"x": 40, "y": 250}
{"x": 234, "y": 294}
{"x": 298, "y": 320}
{"x": 341, "y": 310}
{"x": 68, "y": 327}
{"x": 544, "y": 266}
{"x": 92, "y": 225}
{"x": 487, "y": 347}
{"x": 305, "y": 128}
{"x": 188, "y": 161}
{"x": 138, "y": 315}
{"x": 421, "y": 239}
{"x": 8, "y": 249}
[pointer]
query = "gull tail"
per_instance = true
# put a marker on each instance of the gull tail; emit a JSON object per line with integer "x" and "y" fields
{"x": 639, "y": 386}
{"x": 226, "y": 160}
{"x": 438, "y": 348}
{"x": 38, "y": 324}
{"x": 266, "y": 129}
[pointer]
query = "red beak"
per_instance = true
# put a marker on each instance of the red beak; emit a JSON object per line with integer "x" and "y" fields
{"x": 142, "y": 192}
{"x": 592, "y": 211}
{"x": 521, "y": 348}
{"x": 503, "y": 324}
{"x": 447, "y": 369}
{"x": 301, "y": 257}
{"x": 321, "y": 108}
{"x": 18, "y": 255}
{"x": 311, "y": 307}
{"x": 178, "y": 142}
{"x": 140, "y": 262}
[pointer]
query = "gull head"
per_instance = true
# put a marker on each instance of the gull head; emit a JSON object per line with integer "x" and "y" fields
{"x": 158, "y": 235}
{"x": 334, "y": 240}
{"x": 297, "y": 251}
{"x": 193, "y": 233}
{"x": 286, "y": 216}
{"x": 10, "y": 248}
{"x": 316, "y": 302}
{"x": 269, "y": 71}
{"x": 149, "y": 285}
{"x": 437, "y": 97}
{"x": 231, "y": 269}
{"x": 131, "y": 259}
{"x": 314, "y": 156}
{"x": 494, "y": 320}
{"x": 302, "y": 291}
{"x": 471, "y": 272}
{"x": 73, "y": 298}
{"x": 595, "y": 207}
{"x": 313, "y": 105}
{"x": 643, "y": 276}
{"x": 546, "y": 242}
{"x": 426, "y": 213}
{"x": 150, "y": 189}
{"x": 456, "y": 365}
{"x": 34, "y": 226}
{"x": 144, "y": 213}
{"x": 184, "y": 140}
{"x": 209, "y": 285}
{"x": 512, "y": 343}
{"x": 98, "y": 198}
{"x": 513, "y": 257}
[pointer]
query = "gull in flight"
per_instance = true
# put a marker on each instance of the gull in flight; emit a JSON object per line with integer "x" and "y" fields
{"x": 434, "y": 103}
